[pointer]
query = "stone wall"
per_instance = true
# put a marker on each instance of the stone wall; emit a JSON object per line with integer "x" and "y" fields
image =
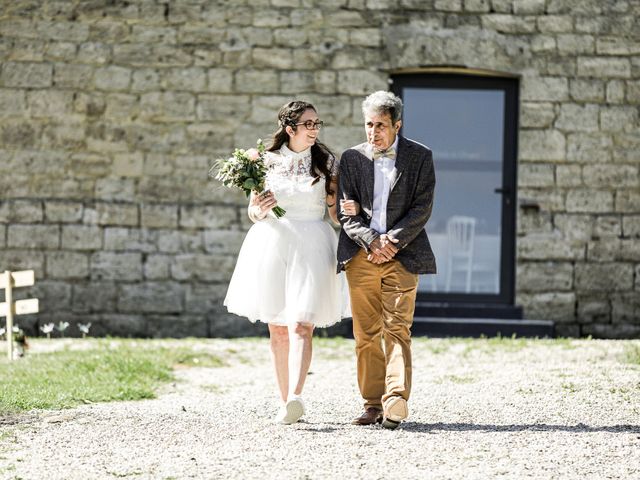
{"x": 111, "y": 113}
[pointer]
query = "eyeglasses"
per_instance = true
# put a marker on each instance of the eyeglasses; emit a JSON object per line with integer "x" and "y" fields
{"x": 311, "y": 125}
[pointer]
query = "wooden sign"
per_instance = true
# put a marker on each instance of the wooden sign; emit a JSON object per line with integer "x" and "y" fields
{"x": 21, "y": 307}
{"x": 24, "y": 278}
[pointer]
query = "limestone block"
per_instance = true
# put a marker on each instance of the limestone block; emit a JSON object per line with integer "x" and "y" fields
{"x": 604, "y": 277}
{"x": 627, "y": 147}
{"x": 604, "y": 67}
{"x": 16, "y": 259}
{"x": 52, "y": 295}
{"x": 116, "y": 266}
{"x": 175, "y": 241}
{"x": 236, "y": 107}
{"x": 544, "y": 88}
{"x": 153, "y": 35}
{"x": 159, "y": 215}
{"x": 117, "y": 214}
{"x": 67, "y": 265}
{"x": 94, "y": 297}
{"x": 558, "y": 307}
{"x": 94, "y": 53}
{"x": 633, "y": 91}
{"x": 617, "y": 46}
{"x": 574, "y": 226}
{"x": 115, "y": 189}
{"x": 160, "y": 297}
{"x": 264, "y": 109}
{"x": 61, "y": 211}
{"x": 615, "y": 91}
{"x": 204, "y": 297}
{"x": 112, "y": 78}
{"x": 207, "y": 216}
{"x": 325, "y": 81}
{"x": 145, "y": 80}
{"x": 594, "y": 308}
{"x": 546, "y": 145}
{"x": 202, "y": 267}
{"x": 297, "y": 81}
{"x": 543, "y": 44}
{"x": 12, "y": 103}
{"x": 547, "y": 199}
{"x": 3, "y": 236}
{"x": 156, "y": 267}
{"x": 628, "y": 201}
{"x": 72, "y": 76}
{"x": 509, "y": 23}
{"x": 545, "y": 276}
{"x": 92, "y": 105}
{"x": 608, "y": 226}
{"x": 178, "y": 326}
{"x": 599, "y": 330}
{"x": 534, "y": 222}
{"x": 527, "y": 7}
{"x": 569, "y": 175}
{"x": 121, "y": 106}
{"x": 81, "y": 237}
{"x": 605, "y": 249}
{"x": 625, "y": 308}
{"x": 542, "y": 246}
{"x": 578, "y": 118}
{"x": 631, "y": 225}
{"x": 271, "y": 18}
{"x": 20, "y": 211}
{"x": 220, "y": 80}
{"x": 186, "y": 79}
{"x": 119, "y": 325}
{"x": 571, "y": 44}
{"x": 157, "y": 164}
{"x": 536, "y": 175}
{"x": 26, "y": 75}
{"x": 555, "y": 23}
{"x": 599, "y": 175}
{"x": 587, "y": 90}
{"x": 585, "y": 200}
{"x": 128, "y": 239}
{"x": 307, "y": 17}
{"x": 448, "y": 5}
{"x": 69, "y": 31}
{"x": 361, "y": 82}
{"x": 49, "y": 103}
{"x": 201, "y": 35}
{"x": 128, "y": 164}
{"x": 619, "y": 119}
{"x": 108, "y": 31}
{"x": 33, "y": 236}
{"x": 223, "y": 241}
{"x": 256, "y": 81}
{"x": 589, "y": 147}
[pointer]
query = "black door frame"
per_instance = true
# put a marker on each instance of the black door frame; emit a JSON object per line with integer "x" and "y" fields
{"x": 455, "y": 304}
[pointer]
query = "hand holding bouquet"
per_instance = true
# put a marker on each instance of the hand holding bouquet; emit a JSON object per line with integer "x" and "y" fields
{"x": 245, "y": 169}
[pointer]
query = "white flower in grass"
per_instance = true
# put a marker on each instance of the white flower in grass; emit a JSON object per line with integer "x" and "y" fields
{"x": 84, "y": 328}
{"x": 61, "y": 327}
{"x": 47, "y": 328}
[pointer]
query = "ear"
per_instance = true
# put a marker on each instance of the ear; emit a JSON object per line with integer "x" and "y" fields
{"x": 290, "y": 131}
{"x": 398, "y": 125}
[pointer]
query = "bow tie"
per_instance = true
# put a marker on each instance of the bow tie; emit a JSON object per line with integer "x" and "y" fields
{"x": 389, "y": 153}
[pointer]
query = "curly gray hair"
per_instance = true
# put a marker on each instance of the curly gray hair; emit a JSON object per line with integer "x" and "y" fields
{"x": 383, "y": 102}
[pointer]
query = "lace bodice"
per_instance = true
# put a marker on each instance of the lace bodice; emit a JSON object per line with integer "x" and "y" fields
{"x": 289, "y": 178}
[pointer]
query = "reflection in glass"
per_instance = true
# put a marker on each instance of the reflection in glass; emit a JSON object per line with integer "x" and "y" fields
{"x": 465, "y": 130}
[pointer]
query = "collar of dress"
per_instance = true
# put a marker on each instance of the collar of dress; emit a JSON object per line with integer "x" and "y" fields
{"x": 287, "y": 152}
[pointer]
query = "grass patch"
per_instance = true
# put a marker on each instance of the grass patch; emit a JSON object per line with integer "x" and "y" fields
{"x": 107, "y": 370}
{"x": 632, "y": 354}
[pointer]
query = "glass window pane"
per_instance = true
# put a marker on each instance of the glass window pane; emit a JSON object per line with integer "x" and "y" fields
{"x": 465, "y": 130}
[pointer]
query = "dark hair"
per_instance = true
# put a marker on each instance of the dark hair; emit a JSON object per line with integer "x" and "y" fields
{"x": 288, "y": 116}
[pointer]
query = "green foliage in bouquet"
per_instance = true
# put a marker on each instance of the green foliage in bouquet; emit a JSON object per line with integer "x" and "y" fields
{"x": 244, "y": 169}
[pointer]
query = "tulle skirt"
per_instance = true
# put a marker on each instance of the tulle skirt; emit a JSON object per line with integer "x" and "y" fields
{"x": 286, "y": 273}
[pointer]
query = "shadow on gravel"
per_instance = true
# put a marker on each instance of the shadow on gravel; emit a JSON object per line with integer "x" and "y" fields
{"x": 538, "y": 427}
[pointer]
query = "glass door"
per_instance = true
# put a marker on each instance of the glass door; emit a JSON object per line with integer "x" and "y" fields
{"x": 470, "y": 125}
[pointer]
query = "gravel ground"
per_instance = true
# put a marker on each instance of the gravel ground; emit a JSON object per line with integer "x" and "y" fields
{"x": 516, "y": 409}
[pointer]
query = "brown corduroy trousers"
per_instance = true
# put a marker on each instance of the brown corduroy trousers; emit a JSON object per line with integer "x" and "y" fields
{"x": 383, "y": 301}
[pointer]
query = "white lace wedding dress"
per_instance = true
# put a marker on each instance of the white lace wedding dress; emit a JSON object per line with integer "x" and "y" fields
{"x": 286, "y": 269}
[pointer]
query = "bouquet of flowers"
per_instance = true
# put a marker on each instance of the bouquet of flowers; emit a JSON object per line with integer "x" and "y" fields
{"x": 245, "y": 169}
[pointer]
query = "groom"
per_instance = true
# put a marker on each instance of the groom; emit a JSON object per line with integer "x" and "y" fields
{"x": 383, "y": 249}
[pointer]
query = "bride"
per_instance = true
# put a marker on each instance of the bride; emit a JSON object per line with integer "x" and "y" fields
{"x": 285, "y": 275}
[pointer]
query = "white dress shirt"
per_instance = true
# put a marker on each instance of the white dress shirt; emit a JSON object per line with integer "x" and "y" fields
{"x": 384, "y": 173}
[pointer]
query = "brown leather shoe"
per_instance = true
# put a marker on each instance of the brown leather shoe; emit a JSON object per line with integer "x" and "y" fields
{"x": 370, "y": 416}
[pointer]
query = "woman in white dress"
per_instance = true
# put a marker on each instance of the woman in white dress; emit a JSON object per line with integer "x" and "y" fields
{"x": 286, "y": 270}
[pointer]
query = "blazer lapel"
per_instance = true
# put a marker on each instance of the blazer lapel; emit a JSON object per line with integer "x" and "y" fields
{"x": 403, "y": 156}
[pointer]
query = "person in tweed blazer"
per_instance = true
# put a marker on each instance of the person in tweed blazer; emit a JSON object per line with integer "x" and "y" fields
{"x": 382, "y": 250}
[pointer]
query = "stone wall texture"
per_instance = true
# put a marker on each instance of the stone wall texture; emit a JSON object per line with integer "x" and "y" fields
{"x": 111, "y": 113}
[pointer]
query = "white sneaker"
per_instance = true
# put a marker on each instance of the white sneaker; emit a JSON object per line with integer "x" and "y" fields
{"x": 291, "y": 411}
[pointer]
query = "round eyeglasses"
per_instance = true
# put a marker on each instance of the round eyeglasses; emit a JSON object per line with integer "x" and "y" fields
{"x": 311, "y": 125}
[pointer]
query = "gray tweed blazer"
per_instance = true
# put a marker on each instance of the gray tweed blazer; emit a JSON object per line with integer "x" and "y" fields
{"x": 408, "y": 208}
